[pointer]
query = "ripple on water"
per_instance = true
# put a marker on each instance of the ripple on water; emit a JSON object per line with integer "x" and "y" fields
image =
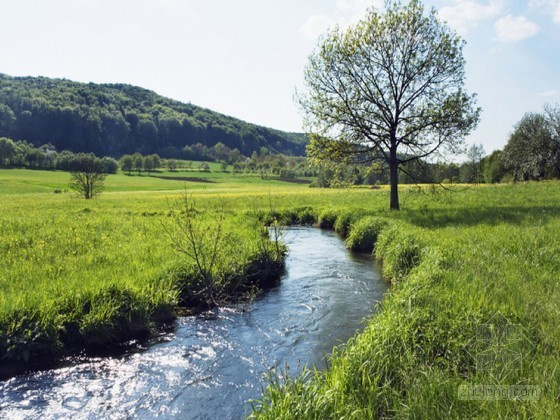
{"x": 212, "y": 364}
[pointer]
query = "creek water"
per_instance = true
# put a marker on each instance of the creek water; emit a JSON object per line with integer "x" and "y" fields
{"x": 210, "y": 366}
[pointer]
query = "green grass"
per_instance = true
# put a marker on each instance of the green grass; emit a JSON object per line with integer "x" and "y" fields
{"x": 483, "y": 256}
{"x": 92, "y": 273}
{"x": 104, "y": 268}
{"x": 23, "y": 181}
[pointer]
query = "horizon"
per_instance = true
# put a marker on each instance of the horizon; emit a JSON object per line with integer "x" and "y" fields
{"x": 245, "y": 60}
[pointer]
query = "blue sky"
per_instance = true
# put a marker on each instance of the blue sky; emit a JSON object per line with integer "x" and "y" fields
{"x": 246, "y": 57}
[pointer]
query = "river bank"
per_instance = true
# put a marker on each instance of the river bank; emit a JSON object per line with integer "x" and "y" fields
{"x": 483, "y": 256}
{"x": 469, "y": 329}
{"x": 213, "y": 364}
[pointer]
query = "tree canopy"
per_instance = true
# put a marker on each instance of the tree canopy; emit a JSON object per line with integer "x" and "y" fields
{"x": 117, "y": 119}
{"x": 390, "y": 89}
{"x": 86, "y": 175}
{"x": 533, "y": 148}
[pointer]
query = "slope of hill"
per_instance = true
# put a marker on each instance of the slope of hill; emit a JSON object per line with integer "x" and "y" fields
{"x": 113, "y": 119}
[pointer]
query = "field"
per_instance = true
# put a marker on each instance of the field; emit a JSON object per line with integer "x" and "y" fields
{"x": 464, "y": 262}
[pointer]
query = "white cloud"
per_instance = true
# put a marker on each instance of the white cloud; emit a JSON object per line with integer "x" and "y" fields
{"x": 512, "y": 29}
{"x": 351, "y": 11}
{"x": 316, "y": 25}
{"x": 464, "y": 14}
{"x": 552, "y": 6}
{"x": 346, "y": 12}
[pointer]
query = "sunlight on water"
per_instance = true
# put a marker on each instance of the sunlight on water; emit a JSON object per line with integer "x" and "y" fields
{"x": 213, "y": 364}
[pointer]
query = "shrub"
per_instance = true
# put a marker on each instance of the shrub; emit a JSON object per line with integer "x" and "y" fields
{"x": 326, "y": 219}
{"x": 345, "y": 220}
{"x": 400, "y": 251}
{"x": 363, "y": 234}
{"x": 306, "y": 215}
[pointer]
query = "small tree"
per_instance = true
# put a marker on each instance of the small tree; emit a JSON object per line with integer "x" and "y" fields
{"x": 87, "y": 177}
{"x": 492, "y": 167}
{"x": 138, "y": 162}
{"x": 172, "y": 164}
{"x": 149, "y": 164}
{"x": 127, "y": 163}
{"x": 475, "y": 153}
{"x": 388, "y": 89}
{"x": 7, "y": 150}
{"x": 110, "y": 165}
{"x": 157, "y": 161}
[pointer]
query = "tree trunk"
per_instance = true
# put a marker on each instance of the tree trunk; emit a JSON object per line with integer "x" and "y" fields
{"x": 394, "y": 180}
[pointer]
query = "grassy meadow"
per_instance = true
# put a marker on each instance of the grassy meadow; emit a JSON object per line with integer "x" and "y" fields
{"x": 459, "y": 260}
{"x": 475, "y": 303}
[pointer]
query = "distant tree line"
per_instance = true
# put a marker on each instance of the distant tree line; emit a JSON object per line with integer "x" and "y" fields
{"x": 532, "y": 153}
{"x": 332, "y": 175}
{"x": 139, "y": 163}
{"x": 21, "y": 154}
{"x": 265, "y": 164}
{"x": 117, "y": 119}
{"x": 269, "y": 165}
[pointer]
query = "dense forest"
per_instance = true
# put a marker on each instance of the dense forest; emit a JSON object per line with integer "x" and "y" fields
{"x": 115, "y": 119}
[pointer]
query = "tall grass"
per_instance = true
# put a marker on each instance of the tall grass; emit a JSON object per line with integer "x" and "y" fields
{"x": 76, "y": 273}
{"x": 93, "y": 274}
{"x": 478, "y": 258}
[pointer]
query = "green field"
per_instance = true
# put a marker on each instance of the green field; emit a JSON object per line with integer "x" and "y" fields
{"x": 458, "y": 260}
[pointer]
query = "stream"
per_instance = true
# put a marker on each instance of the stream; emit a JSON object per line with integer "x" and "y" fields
{"x": 210, "y": 366}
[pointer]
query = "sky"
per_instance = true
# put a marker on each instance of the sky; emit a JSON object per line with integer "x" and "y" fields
{"x": 245, "y": 58}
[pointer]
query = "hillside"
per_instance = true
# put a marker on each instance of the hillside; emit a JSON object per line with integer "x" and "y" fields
{"x": 114, "y": 119}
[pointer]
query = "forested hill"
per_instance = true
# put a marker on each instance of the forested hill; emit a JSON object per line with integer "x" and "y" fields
{"x": 114, "y": 119}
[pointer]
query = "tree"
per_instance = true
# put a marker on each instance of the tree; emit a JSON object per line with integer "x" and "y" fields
{"x": 149, "y": 163}
{"x": 388, "y": 89}
{"x": 492, "y": 167}
{"x": 172, "y": 164}
{"x": 204, "y": 167}
{"x": 475, "y": 153}
{"x": 7, "y": 120}
{"x": 532, "y": 151}
{"x": 87, "y": 177}
{"x": 110, "y": 165}
{"x": 157, "y": 161}
{"x": 235, "y": 156}
{"x": 221, "y": 151}
{"x": 552, "y": 113}
{"x": 127, "y": 163}
{"x": 7, "y": 150}
{"x": 138, "y": 162}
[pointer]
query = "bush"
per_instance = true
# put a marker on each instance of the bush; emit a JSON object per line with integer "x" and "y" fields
{"x": 399, "y": 250}
{"x": 345, "y": 220}
{"x": 305, "y": 215}
{"x": 327, "y": 218}
{"x": 363, "y": 234}
{"x": 288, "y": 217}
{"x": 223, "y": 261}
